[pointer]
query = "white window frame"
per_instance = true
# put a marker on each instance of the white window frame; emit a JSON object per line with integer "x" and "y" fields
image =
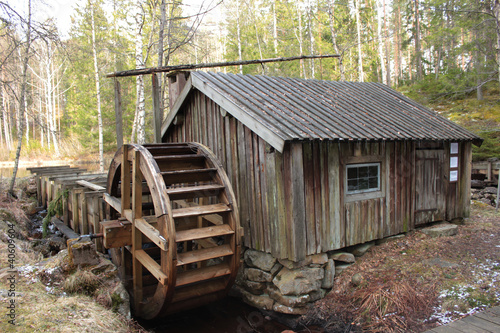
{"x": 359, "y": 165}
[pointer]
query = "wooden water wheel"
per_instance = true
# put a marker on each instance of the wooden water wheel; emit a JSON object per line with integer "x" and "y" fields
{"x": 174, "y": 226}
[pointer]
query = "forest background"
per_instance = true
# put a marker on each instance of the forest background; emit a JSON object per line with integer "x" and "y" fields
{"x": 55, "y": 98}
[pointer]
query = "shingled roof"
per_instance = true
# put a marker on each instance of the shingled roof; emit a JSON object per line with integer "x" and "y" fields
{"x": 282, "y": 109}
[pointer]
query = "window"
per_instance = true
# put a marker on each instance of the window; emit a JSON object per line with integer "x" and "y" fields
{"x": 363, "y": 178}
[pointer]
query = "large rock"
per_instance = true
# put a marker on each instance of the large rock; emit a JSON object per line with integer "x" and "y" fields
{"x": 441, "y": 230}
{"x": 361, "y": 249}
{"x": 291, "y": 301}
{"x": 319, "y": 259}
{"x": 256, "y": 288}
{"x": 289, "y": 310}
{"x": 258, "y": 275}
{"x": 340, "y": 268}
{"x": 263, "y": 302}
{"x": 299, "y": 281}
{"x": 346, "y": 257}
{"x": 389, "y": 239}
{"x": 261, "y": 260}
{"x": 327, "y": 282}
{"x": 295, "y": 264}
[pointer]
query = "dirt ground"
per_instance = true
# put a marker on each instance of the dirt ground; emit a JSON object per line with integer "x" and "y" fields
{"x": 415, "y": 283}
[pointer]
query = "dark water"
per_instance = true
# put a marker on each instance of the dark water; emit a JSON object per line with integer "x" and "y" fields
{"x": 229, "y": 315}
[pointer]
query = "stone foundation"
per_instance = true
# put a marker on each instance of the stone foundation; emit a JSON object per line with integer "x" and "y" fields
{"x": 286, "y": 286}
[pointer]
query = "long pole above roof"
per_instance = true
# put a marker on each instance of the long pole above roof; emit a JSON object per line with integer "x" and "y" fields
{"x": 163, "y": 69}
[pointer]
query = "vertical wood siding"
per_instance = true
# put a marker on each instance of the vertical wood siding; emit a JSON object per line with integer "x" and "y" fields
{"x": 294, "y": 204}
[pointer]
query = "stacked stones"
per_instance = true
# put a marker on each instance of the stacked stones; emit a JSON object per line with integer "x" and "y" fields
{"x": 286, "y": 286}
{"x": 486, "y": 195}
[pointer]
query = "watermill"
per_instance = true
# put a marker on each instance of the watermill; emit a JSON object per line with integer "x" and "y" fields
{"x": 173, "y": 226}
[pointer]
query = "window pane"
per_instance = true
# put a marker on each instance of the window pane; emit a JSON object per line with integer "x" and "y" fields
{"x": 352, "y": 185}
{"x": 352, "y": 173}
{"x": 363, "y": 172}
{"x": 373, "y": 182}
{"x": 363, "y": 184}
{"x": 373, "y": 171}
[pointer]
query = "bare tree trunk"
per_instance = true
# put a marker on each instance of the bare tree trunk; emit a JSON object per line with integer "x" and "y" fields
{"x": 98, "y": 90}
{"x": 418, "y": 51}
{"x": 381, "y": 42}
{"x": 6, "y": 127}
{"x": 311, "y": 38}
{"x": 496, "y": 13}
{"x": 275, "y": 31}
{"x": 331, "y": 16}
{"x": 139, "y": 63}
{"x": 238, "y": 33}
{"x": 387, "y": 54}
{"x": 163, "y": 18}
{"x": 358, "y": 30}
{"x": 298, "y": 35}
{"x": 24, "y": 76}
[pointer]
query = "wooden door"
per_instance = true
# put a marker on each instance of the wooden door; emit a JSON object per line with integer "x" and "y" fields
{"x": 430, "y": 196}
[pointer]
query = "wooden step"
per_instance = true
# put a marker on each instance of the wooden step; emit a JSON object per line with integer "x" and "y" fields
{"x": 200, "y": 210}
{"x": 171, "y": 150}
{"x": 180, "y": 162}
{"x": 214, "y": 219}
{"x": 198, "y": 290}
{"x": 188, "y": 176}
{"x": 190, "y": 257}
{"x": 190, "y": 192}
{"x": 202, "y": 274}
{"x": 206, "y": 232}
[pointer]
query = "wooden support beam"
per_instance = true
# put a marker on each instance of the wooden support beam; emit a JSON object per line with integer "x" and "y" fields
{"x": 113, "y": 202}
{"x": 116, "y": 233}
{"x": 118, "y": 115}
{"x": 125, "y": 181}
{"x": 148, "y": 262}
{"x": 157, "y": 110}
{"x": 150, "y": 232}
{"x": 136, "y": 233}
{"x": 90, "y": 185}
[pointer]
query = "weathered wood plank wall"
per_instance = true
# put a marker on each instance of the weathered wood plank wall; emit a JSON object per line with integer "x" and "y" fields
{"x": 294, "y": 204}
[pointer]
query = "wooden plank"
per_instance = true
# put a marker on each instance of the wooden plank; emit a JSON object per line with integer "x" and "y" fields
{"x": 152, "y": 233}
{"x": 67, "y": 231}
{"x": 243, "y": 187}
{"x": 200, "y": 210}
{"x": 201, "y": 274}
{"x": 90, "y": 185}
{"x": 481, "y": 323}
{"x": 118, "y": 114}
{"x": 257, "y": 194}
{"x": 205, "y": 232}
{"x": 214, "y": 219}
{"x": 272, "y": 198}
{"x": 198, "y": 291}
{"x": 194, "y": 191}
{"x": 336, "y": 229}
{"x": 113, "y": 202}
{"x": 298, "y": 202}
{"x": 324, "y": 196}
{"x": 151, "y": 265}
{"x": 190, "y": 257}
{"x": 488, "y": 316}
{"x": 309, "y": 197}
{"x": 263, "y": 188}
{"x": 188, "y": 176}
{"x": 40, "y": 170}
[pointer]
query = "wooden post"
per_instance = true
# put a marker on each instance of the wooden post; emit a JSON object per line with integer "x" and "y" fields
{"x": 125, "y": 178}
{"x": 118, "y": 115}
{"x": 136, "y": 233}
{"x": 157, "y": 110}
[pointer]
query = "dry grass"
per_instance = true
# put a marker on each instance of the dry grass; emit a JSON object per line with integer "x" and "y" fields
{"x": 403, "y": 290}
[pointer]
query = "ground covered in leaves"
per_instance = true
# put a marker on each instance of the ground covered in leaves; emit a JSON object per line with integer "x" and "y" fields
{"x": 414, "y": 283}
